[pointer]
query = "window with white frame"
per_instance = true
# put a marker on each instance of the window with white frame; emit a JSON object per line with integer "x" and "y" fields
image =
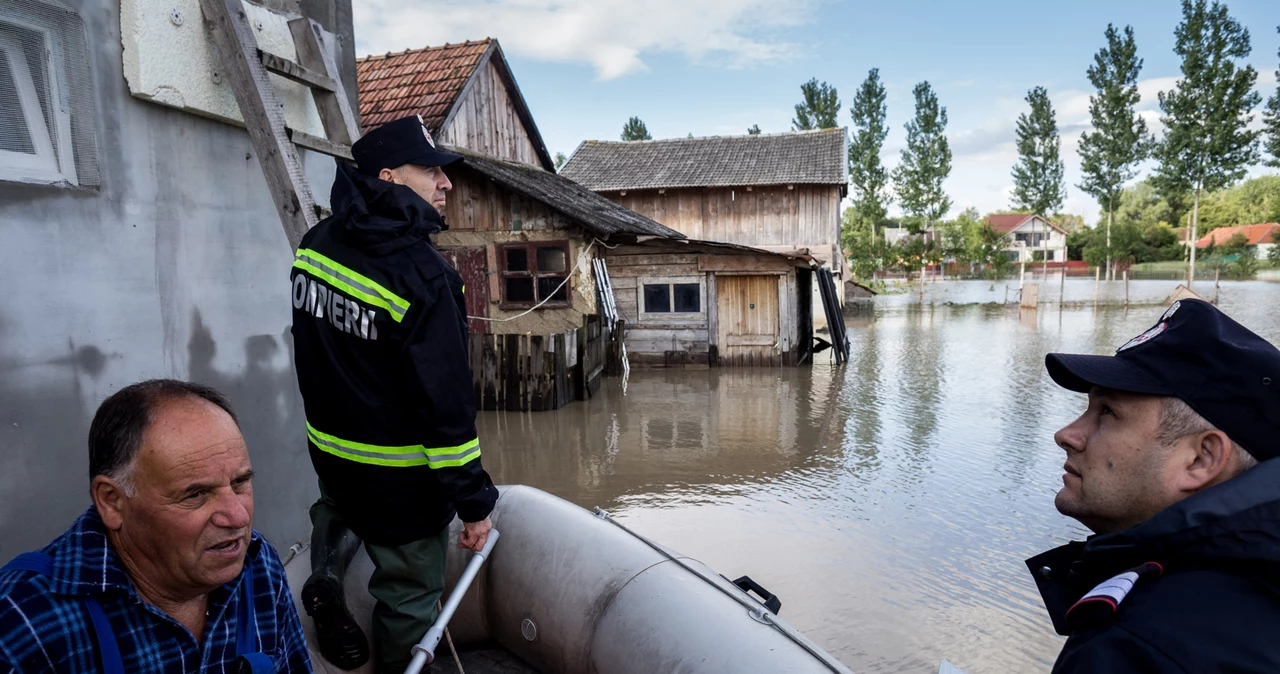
{"x": 46, "y": 119}
{"x": 672, "y": 298}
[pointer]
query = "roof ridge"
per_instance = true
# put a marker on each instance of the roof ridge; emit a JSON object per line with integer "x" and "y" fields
{"x": 455, "y": 45}
{"x": 744, "y": 136}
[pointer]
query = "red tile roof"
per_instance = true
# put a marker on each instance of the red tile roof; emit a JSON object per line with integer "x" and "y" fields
{"x": 1256, "y": 234}
{"x": 1004, "y": 223}
{"x": 415, "y": 82}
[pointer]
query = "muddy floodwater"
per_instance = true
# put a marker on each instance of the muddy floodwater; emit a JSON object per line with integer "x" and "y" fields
{"x": 890, "y": 503}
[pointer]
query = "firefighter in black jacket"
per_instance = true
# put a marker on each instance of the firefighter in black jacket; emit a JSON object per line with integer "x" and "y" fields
{"x": 380, "y": 334}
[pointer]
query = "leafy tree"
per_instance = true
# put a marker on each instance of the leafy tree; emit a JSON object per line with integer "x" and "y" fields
{"x": 1271, "y": 122}
{"x": 1110, "y": 153}
{"x": 819, "y": 109}
{"x": 635, "y": 129}
{"x": 926, "y": 160}
{"x": 1038, "y": 184}
{"x": 1068, "y": 221}
{"x": 1274, "y": 255}
{"x": 866, "y": 252}
{"x": 560, "y": 160}
{"x": 1251, "y": 202}
{"x": 867, "y": 176}
{"x": 753, "y": 130}
{"x": 1207, "y": 143}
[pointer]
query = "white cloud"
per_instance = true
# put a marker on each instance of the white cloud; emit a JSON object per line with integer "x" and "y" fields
{"x": 612, "y": 36}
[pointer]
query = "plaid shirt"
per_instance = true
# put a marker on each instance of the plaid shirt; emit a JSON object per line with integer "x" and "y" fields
{"x": 44, "y": 626}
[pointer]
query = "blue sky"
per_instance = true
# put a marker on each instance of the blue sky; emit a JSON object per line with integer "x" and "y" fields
{"x": 715, "y": 67}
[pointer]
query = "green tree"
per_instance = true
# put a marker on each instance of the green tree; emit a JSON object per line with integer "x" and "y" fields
{"x": 926, "y": 160}
{"x": 1273, "y": 256}
{"x": 1251, "y": 202}
{"x": 867, "y": 175}
{"x": 1038, "y": 185}
{"x": 819, "y": 109}
{"x": 635, "y": 129}
{"x": 866, "y": 252}
{"x": 560, "y": 160}
{"x": 1207, "y": 143}
{"x": 753, "y": 130}
{"x": 1271, "y": 122}
{"x": 1110, "y": 153}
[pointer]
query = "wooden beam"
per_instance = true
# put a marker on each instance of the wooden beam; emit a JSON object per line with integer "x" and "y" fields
{"x": 263, "y": 116}
{"x": 320, "y": 145}
{"x": 316, "y": 48}
{"x": 286, "y": 68}
{"x": 743, "y": 263}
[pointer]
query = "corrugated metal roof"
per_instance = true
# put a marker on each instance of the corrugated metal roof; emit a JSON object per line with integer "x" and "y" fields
{"x": 800, "y": 158}
{"x": 415, "y": 82}
{"x": 591, "y": 211}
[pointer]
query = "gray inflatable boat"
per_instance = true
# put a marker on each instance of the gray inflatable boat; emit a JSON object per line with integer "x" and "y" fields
{"x": 570, "y": 592}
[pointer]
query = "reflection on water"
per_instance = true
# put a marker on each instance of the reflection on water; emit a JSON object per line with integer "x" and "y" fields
{"x": 889, "y": 503}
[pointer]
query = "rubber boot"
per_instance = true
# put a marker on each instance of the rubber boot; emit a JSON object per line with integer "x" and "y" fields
{"x": 333, "y": 546}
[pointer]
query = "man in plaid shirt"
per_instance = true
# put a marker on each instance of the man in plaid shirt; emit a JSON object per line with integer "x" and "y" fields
{"x": 163, "y": 573}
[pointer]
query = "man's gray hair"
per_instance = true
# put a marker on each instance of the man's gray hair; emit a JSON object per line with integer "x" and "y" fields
{"x": 1178, "y": 420}
{"x": 121, "y": 421}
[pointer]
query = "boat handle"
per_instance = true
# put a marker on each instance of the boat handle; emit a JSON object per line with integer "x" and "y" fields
{"x": 769, "y": 599}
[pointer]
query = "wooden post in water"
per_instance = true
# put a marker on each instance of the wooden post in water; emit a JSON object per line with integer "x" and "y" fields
{"x": 1126, "y": 288}
{"x": 1097, "y": 277}
{"x": 1062, "y": 288}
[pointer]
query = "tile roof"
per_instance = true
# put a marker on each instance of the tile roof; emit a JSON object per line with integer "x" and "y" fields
{"x": 591, "y": 211}
{"x": 415, "y": 81}
{"x": 1003, "y": 223}
{"x": 800, "y": 158}
{"x": 1256, "y": 234}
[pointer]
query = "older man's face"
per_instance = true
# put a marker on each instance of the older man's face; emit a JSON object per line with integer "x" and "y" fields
{"x": 189, "y": 521}
{"x": 1117, "y": 472}
{"x": 429, "y": 182}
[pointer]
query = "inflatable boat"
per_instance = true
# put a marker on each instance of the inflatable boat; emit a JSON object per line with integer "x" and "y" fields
{"x": 566, "y": 591}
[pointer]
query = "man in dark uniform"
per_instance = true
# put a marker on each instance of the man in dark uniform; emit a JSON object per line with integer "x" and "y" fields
{"x": 1172, "y": 466}
{"x": 380, "y": 330}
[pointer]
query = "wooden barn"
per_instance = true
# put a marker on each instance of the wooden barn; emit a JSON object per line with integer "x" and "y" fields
{"x": 524, "y": 238}
{"x": 777, "y": 192}
{"x": 702, "y": 303}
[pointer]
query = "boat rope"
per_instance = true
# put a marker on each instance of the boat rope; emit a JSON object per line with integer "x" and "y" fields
{"x": 449, "y": 637}
{"x": 756, "y": 610}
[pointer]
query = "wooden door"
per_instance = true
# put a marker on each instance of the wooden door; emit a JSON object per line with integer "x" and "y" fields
{"x": 747, "y": 328}
{"x": 472, "y": 264}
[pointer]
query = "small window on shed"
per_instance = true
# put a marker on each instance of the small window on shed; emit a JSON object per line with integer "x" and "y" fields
{"x": 535, "y": 273}
{"x": 671, "y": 297}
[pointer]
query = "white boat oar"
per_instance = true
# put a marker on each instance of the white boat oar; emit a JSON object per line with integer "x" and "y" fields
{"x": 424, "y": 652}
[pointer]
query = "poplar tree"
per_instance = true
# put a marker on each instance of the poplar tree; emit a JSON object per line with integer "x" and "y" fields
{"x": 1038, "y": 185}
{"x": 1111, "y": 151}
{"x": 867, "y": 175}
{"x": 819, "y": 109}
{"x": 926, "y": 160}
{"x": 1207, "y": 143}
{"x": 635, "y": 129}
{"x": 1271, "y": 122}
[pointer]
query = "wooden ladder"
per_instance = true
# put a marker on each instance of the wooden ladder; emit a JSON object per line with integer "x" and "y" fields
{"x": 274, "y": 142}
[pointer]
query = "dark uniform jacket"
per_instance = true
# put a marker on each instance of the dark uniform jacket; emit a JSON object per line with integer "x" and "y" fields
{"x": 1203, "y": 595}
{"x": 380, "y": 336}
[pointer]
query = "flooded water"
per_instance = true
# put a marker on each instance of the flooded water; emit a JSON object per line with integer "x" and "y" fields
{"x": 889, "y": 503}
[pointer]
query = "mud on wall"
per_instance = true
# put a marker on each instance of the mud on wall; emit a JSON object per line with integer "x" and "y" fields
{"x": 176, "y": 267}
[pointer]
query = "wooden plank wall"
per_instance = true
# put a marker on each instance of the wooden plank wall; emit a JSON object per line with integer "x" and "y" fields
{"x": 522, "y": 373}
{"x": 661, "y": 342}
{"x": 486, "y": 122}
{"x": 808, "y": 215}
{"x": 665, "y": 342}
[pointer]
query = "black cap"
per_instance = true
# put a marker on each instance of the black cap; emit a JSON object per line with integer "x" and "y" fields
{"x": 1225, "y": 372}
{"x": 394, "y": 144}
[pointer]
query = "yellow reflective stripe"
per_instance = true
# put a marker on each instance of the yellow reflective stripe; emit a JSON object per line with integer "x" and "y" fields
{"x": 405, "y": 455}
{"x": 378, "y": 455}
{"x": 352, "y": 281}
{"x": 456, "y": 459}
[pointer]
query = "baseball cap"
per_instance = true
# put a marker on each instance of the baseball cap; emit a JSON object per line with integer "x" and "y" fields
{"x": 394, "y": 144}
{"x": 1221, "y": 369}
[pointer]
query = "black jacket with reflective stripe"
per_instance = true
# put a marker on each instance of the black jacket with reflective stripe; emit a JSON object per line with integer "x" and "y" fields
{"x": 1215, "y": 606}
{"x": 380, "y": 349}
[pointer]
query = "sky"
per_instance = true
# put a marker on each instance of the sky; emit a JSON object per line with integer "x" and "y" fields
{"x": 715, "y": 67}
